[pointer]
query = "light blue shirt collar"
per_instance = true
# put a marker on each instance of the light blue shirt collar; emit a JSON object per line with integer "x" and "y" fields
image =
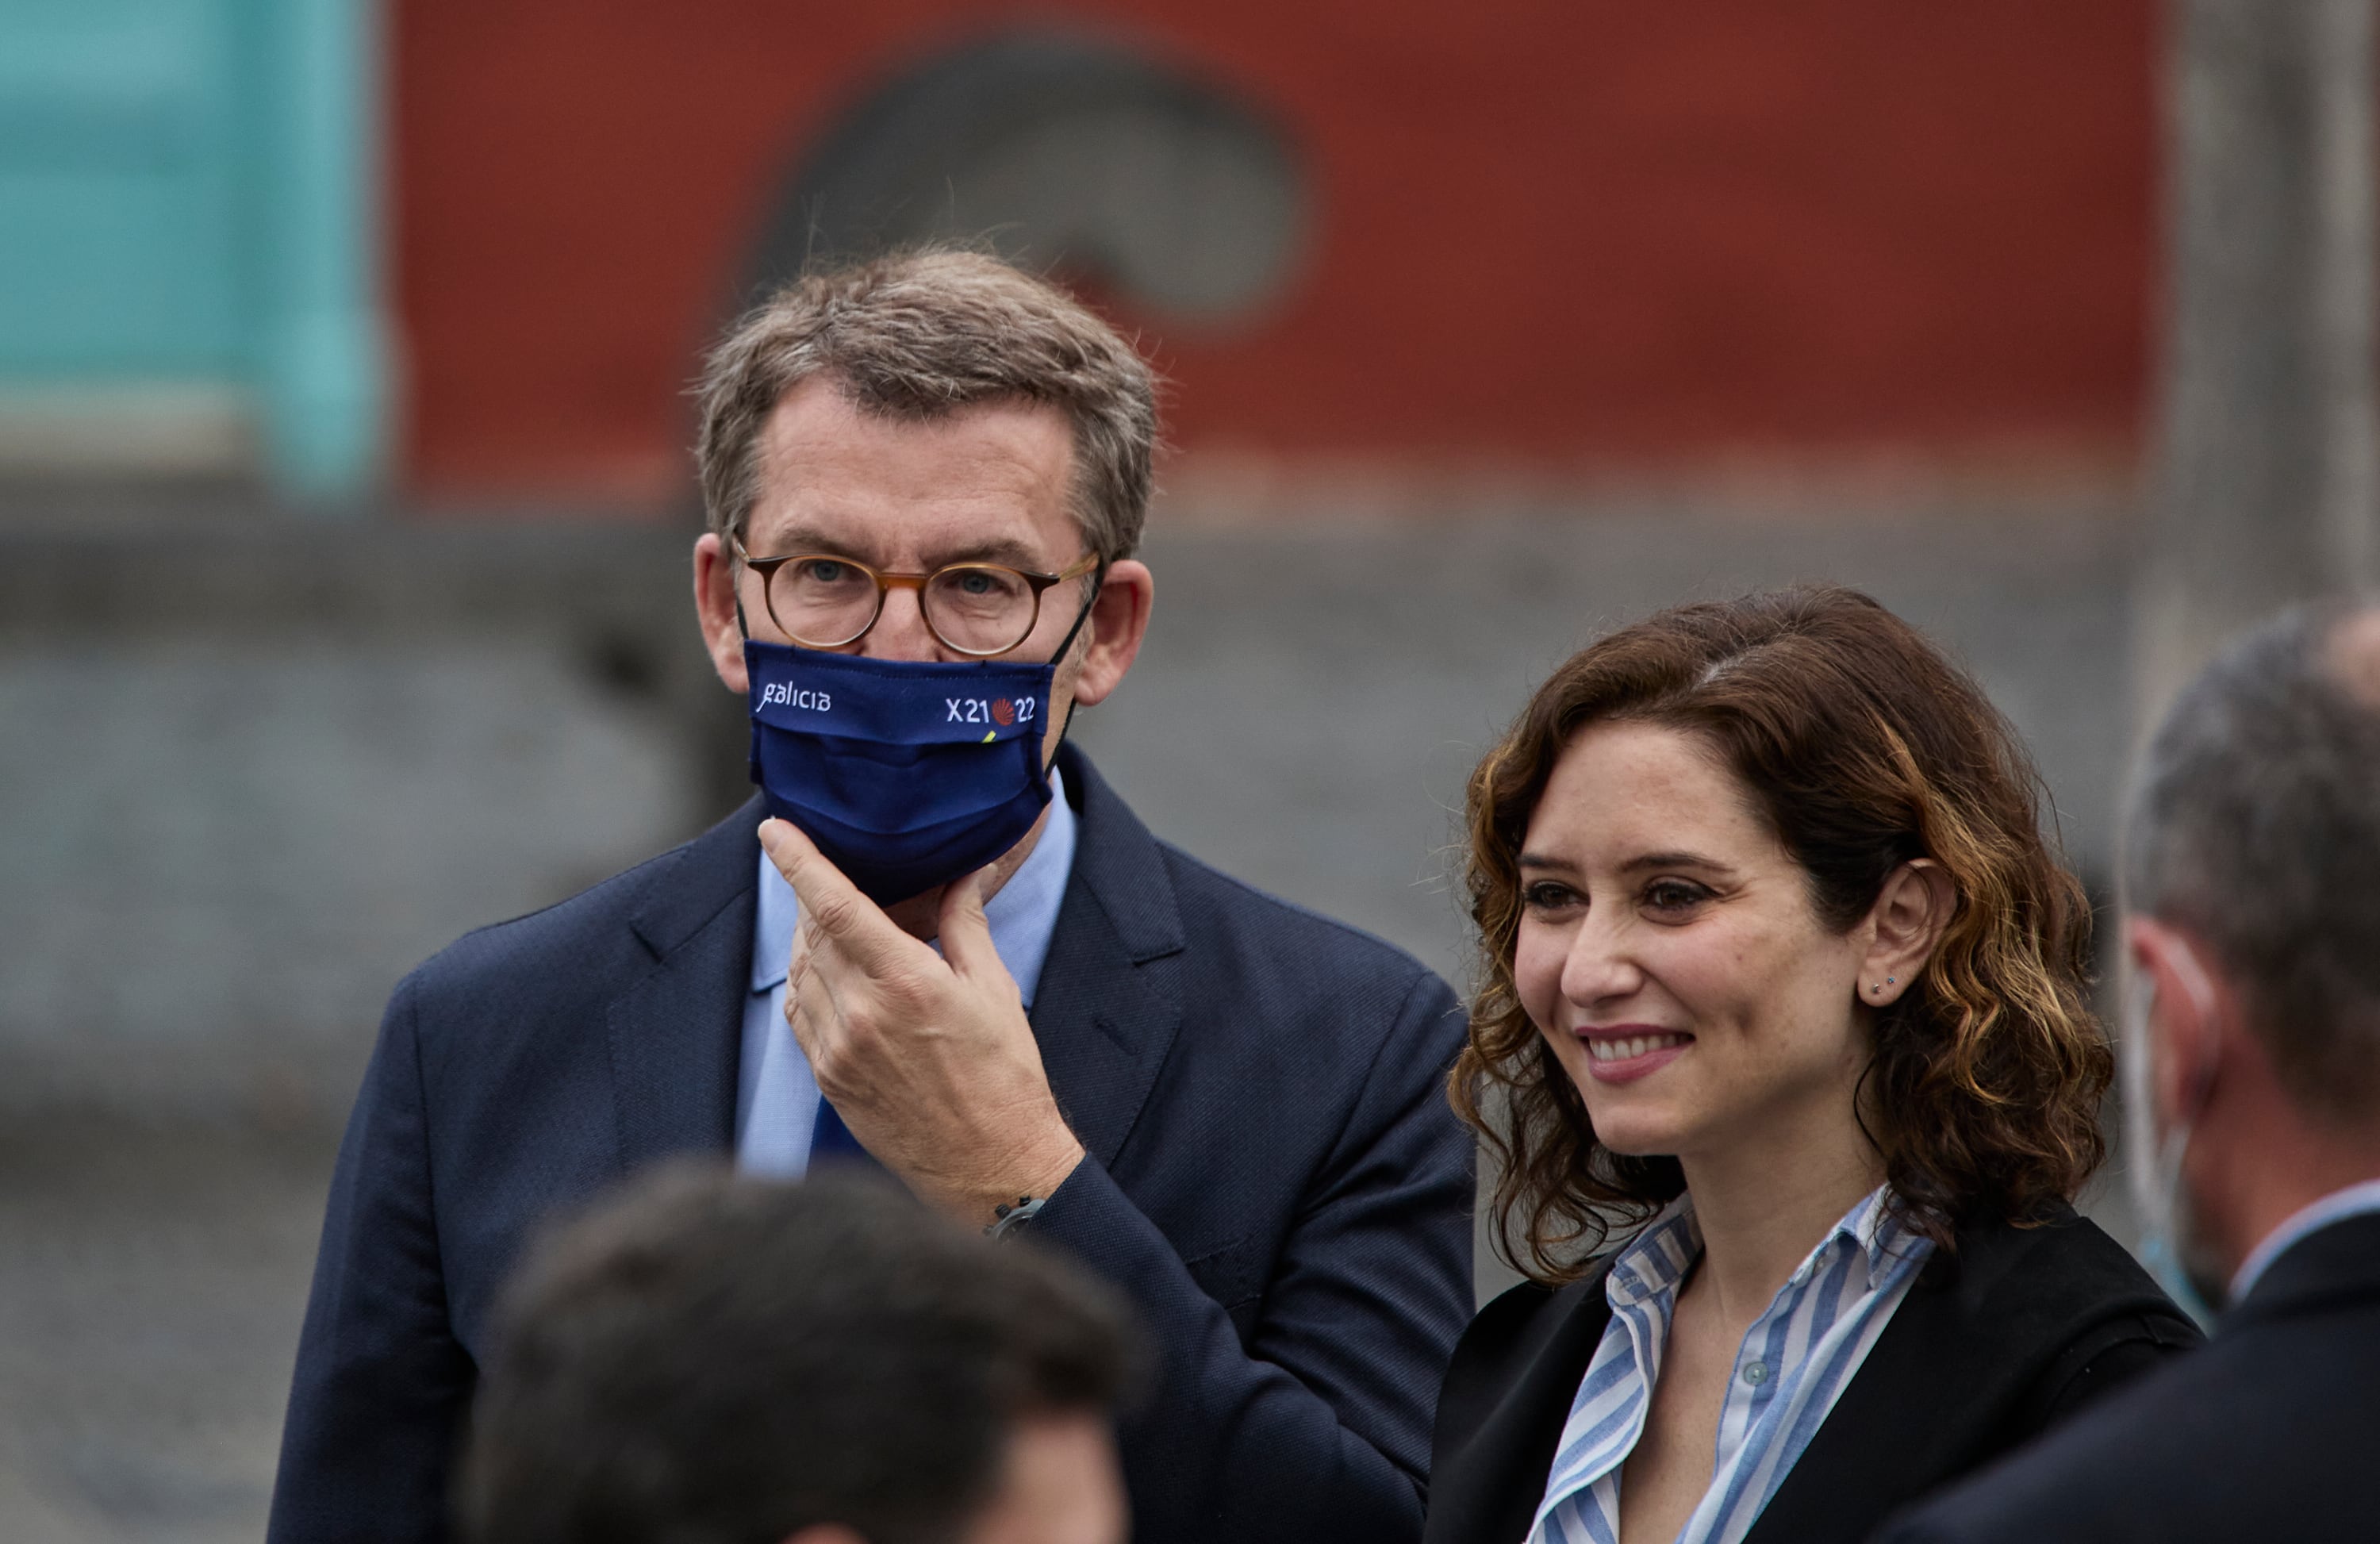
{"x": 1023, "y": 916}
{"x": 2337, "y": 1207}
{"x": 1655, "y": 1263}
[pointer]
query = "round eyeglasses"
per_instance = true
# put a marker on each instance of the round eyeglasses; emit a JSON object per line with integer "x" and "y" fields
{"x": 975, "y": 609}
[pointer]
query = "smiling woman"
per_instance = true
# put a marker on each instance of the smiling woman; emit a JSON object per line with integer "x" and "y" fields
{"x": 1813, "y": 730}
{"x": 1785, "y": 995}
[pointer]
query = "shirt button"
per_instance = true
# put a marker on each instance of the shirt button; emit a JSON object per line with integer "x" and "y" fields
{"x": 1755, "y": 1373}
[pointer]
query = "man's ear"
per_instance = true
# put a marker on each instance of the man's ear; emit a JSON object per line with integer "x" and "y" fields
{"x": 1118, "y": 622}
{"x": 1905, "y": 926}
{"x": 715, "y": 572}
{"x": 2187, "y": 1019}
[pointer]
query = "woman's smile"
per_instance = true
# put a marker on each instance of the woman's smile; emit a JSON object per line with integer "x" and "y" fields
{"x": 1624, "y": 1052}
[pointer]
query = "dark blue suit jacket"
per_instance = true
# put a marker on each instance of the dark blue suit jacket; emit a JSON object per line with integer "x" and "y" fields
{"x": 2272, "y": 1433}
{"x": 1273, "y": 1175}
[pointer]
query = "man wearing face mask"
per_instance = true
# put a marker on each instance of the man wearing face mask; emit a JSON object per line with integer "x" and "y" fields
{"x": 2254, "y": 888}
{"x": 961, "y": 958}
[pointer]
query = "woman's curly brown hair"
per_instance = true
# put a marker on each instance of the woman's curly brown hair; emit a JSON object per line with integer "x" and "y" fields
{"x": 1864, "y": 748}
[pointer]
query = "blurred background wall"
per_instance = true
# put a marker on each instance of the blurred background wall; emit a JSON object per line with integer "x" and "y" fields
{"x": 1558, "y": 238}
{"x": 469, "y": 250}
{"x": 345, "y": 503}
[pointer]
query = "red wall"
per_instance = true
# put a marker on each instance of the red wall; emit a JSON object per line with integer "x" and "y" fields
{"x": 1584, "y": 233}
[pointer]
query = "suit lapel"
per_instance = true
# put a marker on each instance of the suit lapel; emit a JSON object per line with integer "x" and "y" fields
{"x": 1109, "y": 1001}
{"x": 676, "y": 1031}
{"x": 1493, "y": 1482}
{"x": 1928, "y": 1398}
{"x": 1894, "y": 1432}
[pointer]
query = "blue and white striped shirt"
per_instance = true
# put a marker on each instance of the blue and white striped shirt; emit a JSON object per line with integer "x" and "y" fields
{"x": 1794, "y": 1363}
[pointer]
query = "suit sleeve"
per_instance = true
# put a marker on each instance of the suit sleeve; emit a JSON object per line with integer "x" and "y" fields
{"x": 1318, "y": 1428}
{"x": 381, "y": 1385}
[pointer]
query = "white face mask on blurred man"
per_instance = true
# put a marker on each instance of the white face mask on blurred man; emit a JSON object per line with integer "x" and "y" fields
{"x": 2157, "y": 1149}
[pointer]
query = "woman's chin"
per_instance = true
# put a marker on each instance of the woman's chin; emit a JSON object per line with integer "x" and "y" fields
{"x": 1638, "y": 1138}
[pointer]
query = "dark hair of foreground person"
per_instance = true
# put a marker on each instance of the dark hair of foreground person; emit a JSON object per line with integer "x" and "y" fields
{"x": 1863, "y": 750}
{"x": 710, "y": 1359}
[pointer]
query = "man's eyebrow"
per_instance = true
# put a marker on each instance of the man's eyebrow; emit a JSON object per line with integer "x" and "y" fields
{"x": 798, "y": 541}
{"x": 1004, "y": 550}
{"x": 801, "y": 540}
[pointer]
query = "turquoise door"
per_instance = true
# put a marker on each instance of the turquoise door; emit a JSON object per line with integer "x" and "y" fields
{"x": 184, "y": 223}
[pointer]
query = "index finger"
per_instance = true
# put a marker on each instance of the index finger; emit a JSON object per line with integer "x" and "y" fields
{"x": 832, "y": 902}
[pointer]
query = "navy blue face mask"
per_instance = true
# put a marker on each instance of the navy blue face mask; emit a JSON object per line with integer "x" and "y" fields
{"x": 905, "y": 773}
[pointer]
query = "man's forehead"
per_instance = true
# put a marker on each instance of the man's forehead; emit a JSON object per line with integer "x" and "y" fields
{"x": 989, "y": 473}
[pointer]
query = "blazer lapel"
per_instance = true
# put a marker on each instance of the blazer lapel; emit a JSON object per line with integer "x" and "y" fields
{"x": 1488, "y": 1485}
{"x": 676, "y": 1031}
{"x": 1893, "y": 1433}
{"x": 1928, "y": 1399}
{"x": 1109, "y": 1001}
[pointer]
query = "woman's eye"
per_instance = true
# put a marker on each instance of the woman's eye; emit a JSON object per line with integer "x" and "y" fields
{"x": 1674, "y": 896}
{"x": 1545, "y": 895}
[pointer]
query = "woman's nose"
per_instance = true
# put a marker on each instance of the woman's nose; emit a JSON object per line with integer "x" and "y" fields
{"x": 1599, "y": 967}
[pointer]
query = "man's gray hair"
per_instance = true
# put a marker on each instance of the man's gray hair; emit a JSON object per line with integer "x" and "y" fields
{"x": 919, "y": 333}
{"x": 2256, "y": 823}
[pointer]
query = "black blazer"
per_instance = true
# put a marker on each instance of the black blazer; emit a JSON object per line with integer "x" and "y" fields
{"x": 2018, "y": 1329}
{"x": 1274, "y": 1176}
{"x": 2272, "y": 1433}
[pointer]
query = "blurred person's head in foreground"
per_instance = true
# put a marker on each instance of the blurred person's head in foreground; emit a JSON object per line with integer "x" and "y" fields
{"x": 712, "y": 1359}
{"x": 1763, "y": 897}
{"x": 2253, "y": 901}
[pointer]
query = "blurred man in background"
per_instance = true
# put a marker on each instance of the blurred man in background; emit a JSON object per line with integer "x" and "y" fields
{"x": 926, "y": 477}
{"x": 714, "y": 1360}
{"x": 2254, "y": 894}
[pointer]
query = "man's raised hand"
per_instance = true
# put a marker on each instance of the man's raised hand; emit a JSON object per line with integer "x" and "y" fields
{"x": 927, "y": 1058}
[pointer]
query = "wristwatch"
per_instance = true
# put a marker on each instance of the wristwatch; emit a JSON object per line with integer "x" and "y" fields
{"x": 1009, "y": 1219}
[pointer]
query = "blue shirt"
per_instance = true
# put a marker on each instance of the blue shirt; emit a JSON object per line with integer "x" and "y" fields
{"x": 2337, "y": 1207}
{"x": 776, "y": 1098}
{"x": 1795, "y": 1361}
